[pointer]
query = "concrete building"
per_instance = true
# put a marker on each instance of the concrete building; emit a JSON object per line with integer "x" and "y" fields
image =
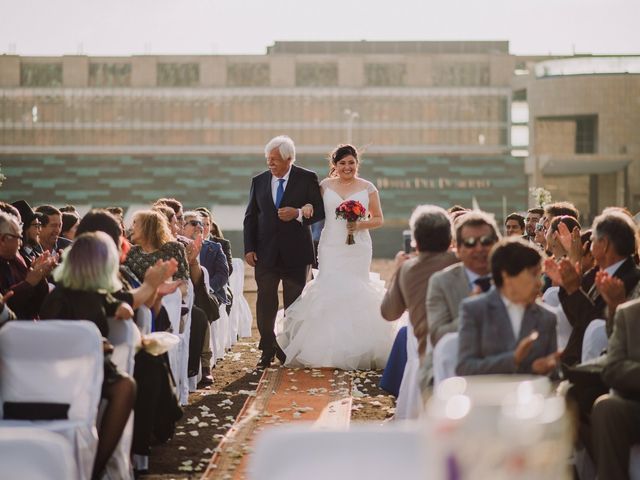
{"x": 433, "y": 120}
{"x": 584, "y": 130}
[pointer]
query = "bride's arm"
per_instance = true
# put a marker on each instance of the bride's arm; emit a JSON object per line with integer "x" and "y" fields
{"x": 376, "y": 219}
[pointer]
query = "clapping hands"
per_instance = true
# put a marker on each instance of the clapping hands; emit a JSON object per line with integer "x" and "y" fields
{"x": 41, "y": 268}
{"x": 564, "y": 273}
{"x": 611, "y": 288}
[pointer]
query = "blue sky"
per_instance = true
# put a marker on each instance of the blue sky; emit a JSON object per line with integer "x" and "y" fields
{"x": 126, "y": 27}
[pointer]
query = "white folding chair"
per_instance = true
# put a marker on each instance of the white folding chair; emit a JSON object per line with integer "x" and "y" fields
{"x": 35, "y": 454}
{"x": 594, "y": 340}
{"x": 563, "y": 327}
{"x": 445, "y": 357}
{"x": 55, "y": 362}
{"x": 409, "y": 403}
{"x": 219, "y": 333}
{"x": 180, "y": 326}
{"x": 240, "y": 311}
{"x": 375, "y": 453}
{"x": 144, "y": 319}
{"x": 125, "y": 338}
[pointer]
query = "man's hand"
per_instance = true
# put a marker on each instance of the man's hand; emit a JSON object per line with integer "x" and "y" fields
{"x": 40, "y": 268}
{"x": 399, "y": 259}
{"x": 251, "y": 258}
{"x": 286, "y": 214}
{"x": 524, "y": 347}
{"x": 564, "y": 274}
{"x": 307, "y": 210}
{"x": 193, "y": 249}
{"x": 545, "y": 365}
{"x": 570, "y": 242}
{"x": 611, "y": 289}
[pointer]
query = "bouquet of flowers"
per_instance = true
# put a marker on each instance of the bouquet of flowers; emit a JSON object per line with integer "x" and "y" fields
{"x": 351, "y": 211}
{"x": 540, "y": 196}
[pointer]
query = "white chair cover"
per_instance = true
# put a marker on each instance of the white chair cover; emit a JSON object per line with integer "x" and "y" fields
{"x": 595, "y": 340}
{"x": 445, "y": 358}
{"x": 56, "y": 361}
{"x": 143, "y": 319}
{"x": 219, "y": 332}
{"x": 125, "y": 338}
{"x": 409, "y": 403}
{"x": 35, "y": 454}
{"x": 181, "y": 326}
{"x": 563, "y": 327}
{"x": 240, "y": 311}
{"x": 298, "y": 451}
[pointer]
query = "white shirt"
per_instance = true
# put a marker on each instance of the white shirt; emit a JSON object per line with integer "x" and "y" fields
{"x": 516, "y": 314}
{"x": 274, "y": 189}
{"x": 612, "y": 269}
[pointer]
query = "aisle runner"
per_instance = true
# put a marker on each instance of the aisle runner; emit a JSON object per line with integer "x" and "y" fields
{"x": 322, "y": 396}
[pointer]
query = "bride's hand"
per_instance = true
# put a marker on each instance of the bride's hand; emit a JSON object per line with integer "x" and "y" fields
{"x": 353, "y": 227}
{"x": 307, "y": 210}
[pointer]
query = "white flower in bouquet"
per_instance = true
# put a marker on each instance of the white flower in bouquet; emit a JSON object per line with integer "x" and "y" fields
{"x": 541, "y": 196}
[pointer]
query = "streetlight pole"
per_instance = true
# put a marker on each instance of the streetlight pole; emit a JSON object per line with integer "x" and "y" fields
{"x": 351, "y": 116}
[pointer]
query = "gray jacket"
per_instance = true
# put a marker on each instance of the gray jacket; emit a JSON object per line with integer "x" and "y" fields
{"x": 445, "y": 291}
{"x": 487, "y": 341}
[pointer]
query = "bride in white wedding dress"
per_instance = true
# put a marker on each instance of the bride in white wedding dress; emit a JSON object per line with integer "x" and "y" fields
{"x": 336, "y": 321}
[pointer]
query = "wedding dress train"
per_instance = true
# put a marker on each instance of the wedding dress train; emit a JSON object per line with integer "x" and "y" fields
{"x": 336, "y": 321}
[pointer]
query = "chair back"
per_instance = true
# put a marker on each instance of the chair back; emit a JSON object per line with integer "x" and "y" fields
{"x": 595, "y": 340}
{"x": 53, "y": 361}
{"x": 35, "y": 454}
{"x": 445, "y": 358}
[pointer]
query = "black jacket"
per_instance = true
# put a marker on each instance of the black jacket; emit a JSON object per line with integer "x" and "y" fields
{"x": 278, "y": 243}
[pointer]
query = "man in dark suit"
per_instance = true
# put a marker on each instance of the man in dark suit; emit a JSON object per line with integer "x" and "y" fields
{"x": 505, "y": 330}
{"x": 616, "y": 416}
{"x": 613, "y": 246}
{"x": 283, "y": 202}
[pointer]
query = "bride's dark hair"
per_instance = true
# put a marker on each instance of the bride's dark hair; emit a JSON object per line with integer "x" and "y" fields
{"x": 338, "y": 154}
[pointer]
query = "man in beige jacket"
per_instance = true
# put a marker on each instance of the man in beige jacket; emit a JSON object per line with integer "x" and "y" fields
{"x": 431, "y": 231}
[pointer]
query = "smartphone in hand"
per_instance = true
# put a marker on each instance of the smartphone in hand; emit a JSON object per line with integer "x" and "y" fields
{"x": 406, "y": 241}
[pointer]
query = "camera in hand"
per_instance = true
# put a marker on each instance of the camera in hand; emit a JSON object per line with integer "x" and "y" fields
{"x": 406, "y": 241}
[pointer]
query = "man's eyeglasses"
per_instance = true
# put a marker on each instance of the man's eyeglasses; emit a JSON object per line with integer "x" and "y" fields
{"x": 17, "y": 237}
{"x": 195, "y": 223}
{"x": 485, "y": 241}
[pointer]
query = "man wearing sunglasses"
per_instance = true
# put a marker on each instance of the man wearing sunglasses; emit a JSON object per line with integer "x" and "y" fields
{"x": 476, "y": 233}
{"x": 29, "y": 285}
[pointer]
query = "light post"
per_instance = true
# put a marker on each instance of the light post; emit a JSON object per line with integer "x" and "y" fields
{"x": 351, "y": 116}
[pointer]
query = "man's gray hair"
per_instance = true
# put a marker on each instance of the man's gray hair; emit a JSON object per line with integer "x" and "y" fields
{"x": 284, "y": 145}
{"x": 430, "y": 228}
{"x": 475, "y": 218}
{"x": 5, "y": 220}
{"x": 192, "y": 214}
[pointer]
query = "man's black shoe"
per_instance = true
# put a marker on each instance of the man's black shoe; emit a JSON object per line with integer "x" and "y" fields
{"x": 265, "y": 360}
{"x": 280, "y": 355}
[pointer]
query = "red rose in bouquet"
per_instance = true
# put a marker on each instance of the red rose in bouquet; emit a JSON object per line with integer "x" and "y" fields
{"x": 351, "y": 211}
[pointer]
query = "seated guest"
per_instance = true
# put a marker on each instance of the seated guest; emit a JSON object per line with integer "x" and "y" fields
{"x": 171, "y": 217}
{"x": 51, "y": 227}
{"x": 214, "y": 233}
{"x": 31, "y": 225}
{"x": 29, "y": 285}
{"x": 86, "y": 279}
{"x": 431, "y": 231}
{"x": 533, "y": 217}
{"x": 505, "y": 330}
{"x": 551, "y": 211}
{"x": 613, "y": 244}
{"x": 475, "y": 234}
{"x": 555, "y": 247}
{"x": 514, "y": 225}
{"x": 615, "y": 418}
{"x": 152, "y": 242}
{"x": 70, "y": 223}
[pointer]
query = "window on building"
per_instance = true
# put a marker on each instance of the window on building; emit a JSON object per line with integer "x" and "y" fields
{"x": 248, "y": 75}
{"x": 109, "y": 74}
{"x": 41, "y": 75}
{"x": 385, "y": 74}
{"x": 586, "y": 134}
{"x": 461, "y": 74}
{"x": 178, "y": 74}
{"x": 316, "y": 74}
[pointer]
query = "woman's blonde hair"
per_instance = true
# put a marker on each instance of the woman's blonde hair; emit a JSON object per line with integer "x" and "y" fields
{"x": 154, "y": 227}
{"x": 90, "y": 264}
